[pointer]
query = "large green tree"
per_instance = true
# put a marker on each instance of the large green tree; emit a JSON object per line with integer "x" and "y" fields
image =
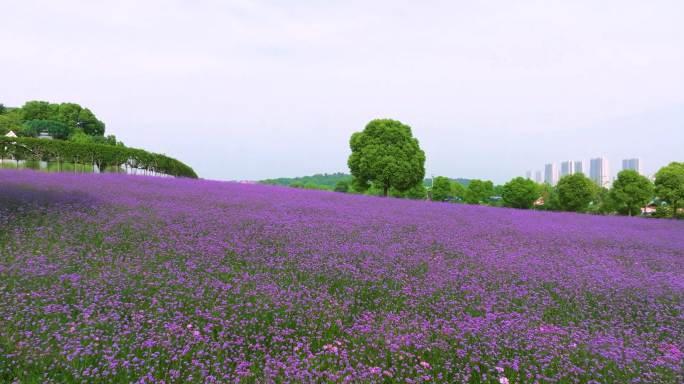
{"x": 630, "y": 192}
{"x": 575, "y": 192}
{"x": 342, "y": 186}
{"x": 39, "y": 110}
{"x": 56, "y": 129}
{"x": 479, "y": 191}
{"x": 417, "y": 192}
{"x": 520, "y": 193}
{"x": 11, "y": 120}
{"x": 441, "y": 188}
{"x": 669, "y": 185}
{"x": 458, "y": 190}
{"x": 71, "y": 114}
{"x": 386, "y": 154}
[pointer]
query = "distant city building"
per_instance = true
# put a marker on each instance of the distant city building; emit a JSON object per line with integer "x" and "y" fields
{"x": 634, "y": 164}
{"x": 538, "y": 176}
{"x": 567, "y": 168}
{"x": 528, "y": 175}
{"x": 599, "y": 171}
{"x": 581, "y": 167}
{"x": 550, "y": 174}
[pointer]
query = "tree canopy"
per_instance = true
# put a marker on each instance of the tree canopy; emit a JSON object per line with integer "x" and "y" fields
{"x": 385, "y": 153}
{"x": 71, "y": 114}
{"x": 441, "y": 189}
{"x": 669, "y": 185}
{"x": 630, "y": 192}
{"x": 56, "y": 129}
{"x": 458, "y": 191}
{"x": 342, "y": 186}
{"x": 575, "y": 192}
{"x": 520, "y": 193}
{"x": 479, "y": 191}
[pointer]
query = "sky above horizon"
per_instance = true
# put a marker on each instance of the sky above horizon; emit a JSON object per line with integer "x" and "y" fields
{"x": 247, "y": 90}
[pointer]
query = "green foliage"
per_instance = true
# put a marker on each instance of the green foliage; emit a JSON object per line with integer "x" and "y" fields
{"x": 662, "y": 211}
{"x": 386, "y": 153}
{"x": 320, "y": 179}
{"x": 310, "y": 185}
{"x": 417, "y": 192}
{"x": 479, "y": 191}
{"x": 458, "y": 191}
{"x": 80, "y": 137}
{"x": 602, "y": 203}
{"x": 630, "y": 192}
{"x": 441, "y": 189}
{"x": 669, "y": 185}
{"x": 520, "y": 193}
{"x": 87, "y": 153}
{"x": 56, "y": 129}
{"x": 71, "y": 114}
{"x": 11, "y": 120}
{"x": 107, "y": 140}
{"x": 575, "y": 192}
{"x": 3, "y": 109}
{"x": 342, "y": 186}
{"x": 39, "y": 110}
{"x": 549, "y": 195}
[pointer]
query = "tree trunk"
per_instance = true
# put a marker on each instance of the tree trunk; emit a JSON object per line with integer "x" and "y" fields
{"x": 674, "y": 209}
{"x": 385, "y": 188}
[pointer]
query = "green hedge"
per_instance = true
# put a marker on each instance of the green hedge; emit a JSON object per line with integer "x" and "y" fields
{"x": 99, "y": 154}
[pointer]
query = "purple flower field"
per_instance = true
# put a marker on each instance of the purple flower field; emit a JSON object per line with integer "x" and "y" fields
{"x": 115, "y": 278}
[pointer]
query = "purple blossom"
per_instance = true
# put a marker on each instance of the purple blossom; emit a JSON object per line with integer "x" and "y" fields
{"x": 115, "y": 278}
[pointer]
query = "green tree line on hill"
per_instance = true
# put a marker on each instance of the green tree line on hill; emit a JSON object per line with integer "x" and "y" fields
{"x": 386, "y": 160}
{"x": 28, "y": 148}
{"x": 77, "y": 138}
{"x": 576, "y": 193}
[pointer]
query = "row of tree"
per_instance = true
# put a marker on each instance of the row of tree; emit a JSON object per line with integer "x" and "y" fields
{"x": 386, "y": 159}
{"x": 576, "y": 193}
{"x": 26, "y": 148}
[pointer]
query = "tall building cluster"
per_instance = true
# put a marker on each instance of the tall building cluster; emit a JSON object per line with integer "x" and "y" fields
{"x": 597, "y": 169}
{"x": 634, "y": 164}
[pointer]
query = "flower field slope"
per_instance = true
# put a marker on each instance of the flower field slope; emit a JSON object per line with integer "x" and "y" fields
{"x": 115, "y": 278}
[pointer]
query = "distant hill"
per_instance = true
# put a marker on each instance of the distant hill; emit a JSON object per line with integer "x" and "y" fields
{"x": 428, "y": 182}
{"x": 328, "y": 180}
{"x": 322, "y": 180}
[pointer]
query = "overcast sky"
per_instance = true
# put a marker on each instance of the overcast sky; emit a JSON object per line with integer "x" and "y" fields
{"x": 258, "y": 89}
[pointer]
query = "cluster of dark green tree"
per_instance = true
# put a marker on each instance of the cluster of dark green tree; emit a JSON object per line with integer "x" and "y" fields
{"x": 65, "y": 121}
{"x": 576, "y": 193}
{"x": 629, "y": 193}
{"x": 28, "y": 148}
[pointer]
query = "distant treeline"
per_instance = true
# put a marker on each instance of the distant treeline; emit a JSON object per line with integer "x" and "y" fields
{"x": 344, "y": 182}
{"x": 326, "y": 181}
